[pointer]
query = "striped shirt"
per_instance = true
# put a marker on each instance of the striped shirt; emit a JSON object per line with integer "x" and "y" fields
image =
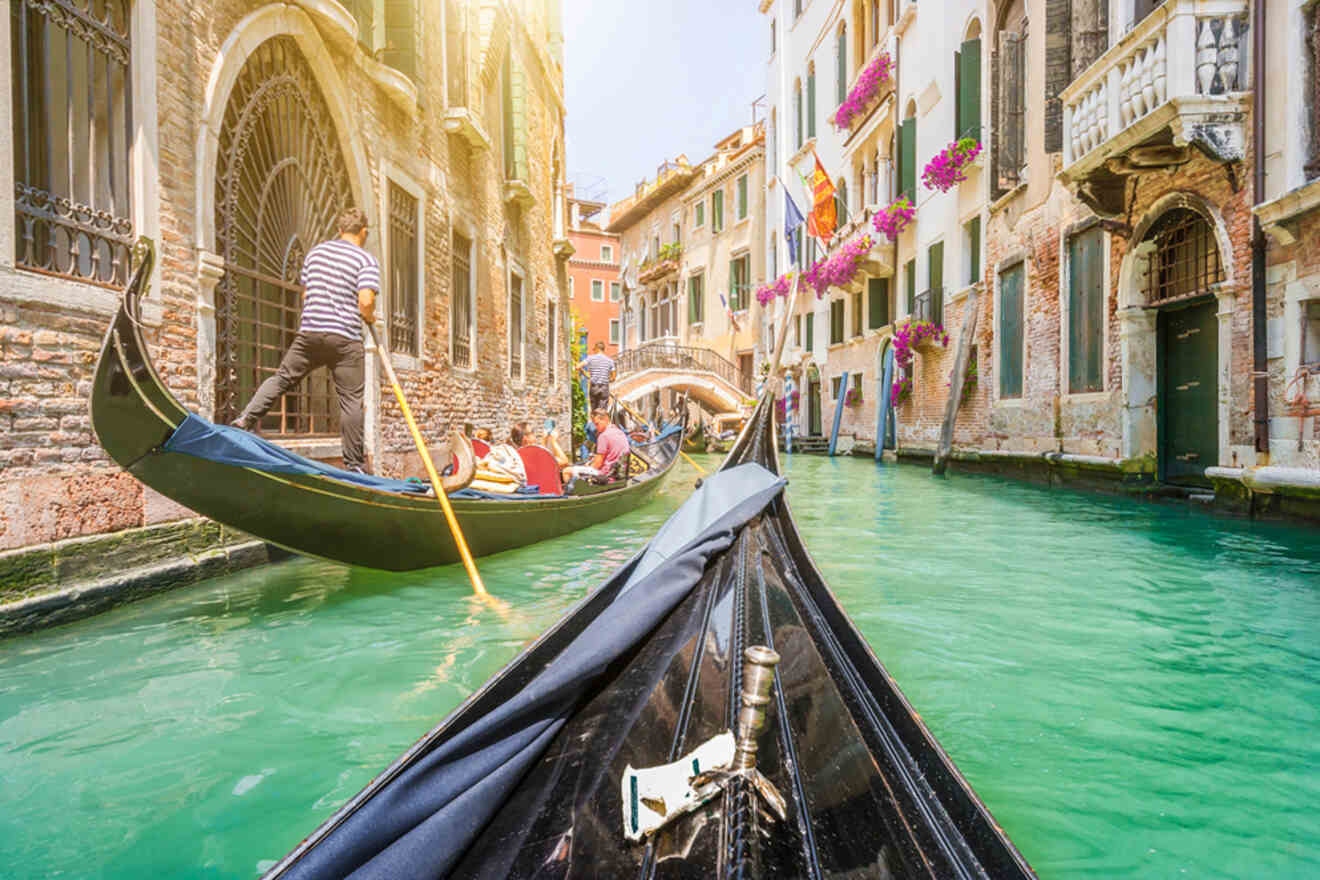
{"x": 333, "y": 273}
{"x": 599, "y": 367}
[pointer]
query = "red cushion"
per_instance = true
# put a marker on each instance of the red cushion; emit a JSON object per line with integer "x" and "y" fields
{"x": 480, "y": 448}
{"x": 542, "y": 469}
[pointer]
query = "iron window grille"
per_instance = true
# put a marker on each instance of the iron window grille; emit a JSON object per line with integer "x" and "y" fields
{"x": 460, "y": 302}
{"x": 1185, "y": 260}
{"x": 72, "y": 127}
{"x": 403, "y": 271}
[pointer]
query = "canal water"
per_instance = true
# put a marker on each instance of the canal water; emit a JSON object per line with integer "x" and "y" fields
{"x": 1132, "y": 689}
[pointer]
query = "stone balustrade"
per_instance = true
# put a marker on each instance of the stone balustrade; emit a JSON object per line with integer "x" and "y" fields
{"x": 1186, "y": 49}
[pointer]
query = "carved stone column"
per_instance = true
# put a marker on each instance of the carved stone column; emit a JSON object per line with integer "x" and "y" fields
{"x": 1140, "y": 376}
{"x": 210, "y": 269}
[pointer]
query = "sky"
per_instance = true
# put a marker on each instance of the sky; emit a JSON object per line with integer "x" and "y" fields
{"x": 646, "y": 81}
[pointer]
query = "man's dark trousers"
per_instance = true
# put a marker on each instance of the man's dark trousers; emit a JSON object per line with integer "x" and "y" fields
{"x": 599, "y": 394}
{"x": 344, "y": 357}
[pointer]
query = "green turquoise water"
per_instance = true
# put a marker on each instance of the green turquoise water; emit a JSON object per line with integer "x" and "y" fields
{"x": 1132, "y": 689}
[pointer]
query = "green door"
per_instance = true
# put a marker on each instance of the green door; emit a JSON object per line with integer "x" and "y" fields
{"x": 813, "y": 408}
{"x": 1189, "y": 393}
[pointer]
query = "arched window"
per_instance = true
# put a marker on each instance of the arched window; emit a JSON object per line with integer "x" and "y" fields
{"x": 797, "y": 115}
{"x": 875, "y": 22}
{"x": 841, "y": 200}
{"x": 1184, "y": 260}
{"x": 811, "y": 100}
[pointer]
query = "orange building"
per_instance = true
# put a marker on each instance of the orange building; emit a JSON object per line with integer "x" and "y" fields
{"x": 594, "y": 288}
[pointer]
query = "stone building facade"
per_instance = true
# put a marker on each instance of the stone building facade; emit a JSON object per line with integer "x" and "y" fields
{"x": 247, "y": 130}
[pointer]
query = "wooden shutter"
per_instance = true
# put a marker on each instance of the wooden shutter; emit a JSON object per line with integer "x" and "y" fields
{"x": 694, "y": 311}
{"x": 836, "y": 322}
{"x": 400, "y": 50}
{"x": 456, "y": 34}
{"x": 907, "y": 159}
{"x": 1010, "y": 332}
{"x": 878, "y": 306}
{"x": 1085, "y": 312}
{"x": 843, "y": 64}
{"x": 974, "y": 246}
{"x": 935, "y": 273}
{"x": 811, "y": 327}
{"x": 797, "y": 115}
{"x": 1011, "y": 115}
{"x": 969, "y": 90}
{"x": 910, "y": 270}
{"x": 811, "y": 104}
{"x": 857, "y": 314}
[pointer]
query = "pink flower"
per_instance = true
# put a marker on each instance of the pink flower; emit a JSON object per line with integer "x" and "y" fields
{"x": 948, "y": 167}
{"x": 867, "y": 88}
{"x": 838, "y": 269}
{"x": 893, "y": 219}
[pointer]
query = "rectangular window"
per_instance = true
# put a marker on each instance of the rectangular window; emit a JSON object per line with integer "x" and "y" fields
{"x": 699, "y": 214}
{"x": 841, "y": 55}
{"x": 676, "y": 232}
{"x": 797, "y": 331}
{"x": 810, "y": 331}
{"x": 856, "y": 314}
{"x": 696, "y": 299}
{"x": 614, "y": 331}
{"x": 717, "y": 211}
{"x": 797, "y": 115}
{"x": 403, "y": 271}
{"x": 910, "y": 282}
{"x": 597, "y": 290}
{"x": 811, "y": 102}
{"x": 513, "y": 103}
{"x": 967, "y": 71}
{"x": 935, "y": 275}
{"x": 836, "y": 322}
{"x": 836, "y": 384}
{"x": 742, "y": 197}
{"x": 740, "y": 282}
{"x": 72, "y": 129}
{"x": 606, "y": 254}
{"x": 1010, "y": 332}
{"x": 516, "y": 335}
{"x": 551, "y": 344}
{"x": 616, "y": 291}
{"x": 1086, "y": 303}
{"x": 857, "y": 382}
{"x": 1311, "y": 333}
{"x": 460, "y": 302}
{"x": 972, "y": 241}
{"x": 877, "y": 291}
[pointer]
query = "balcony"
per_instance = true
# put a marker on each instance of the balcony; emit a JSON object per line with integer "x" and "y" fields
{"x": 929, "y": 306}
{"x": 1174, "y": 82}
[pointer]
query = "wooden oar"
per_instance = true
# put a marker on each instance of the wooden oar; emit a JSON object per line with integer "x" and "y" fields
{"x": 639, "y": 417}
{"x": 477, "y": 586}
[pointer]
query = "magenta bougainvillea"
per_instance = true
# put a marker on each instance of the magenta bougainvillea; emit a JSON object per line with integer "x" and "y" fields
{"x": 893, "y": 219}
{"x": 853, "y": 397}
{"x": 901, "y": 390}
{"x": 779, "y": 287}
{"x": 909, "y": 334}
{"x": 786, "y": 405}
{"x": 949, "y": 167}
{"x": 839, "y": 268}
{"x": 867, "y": 88}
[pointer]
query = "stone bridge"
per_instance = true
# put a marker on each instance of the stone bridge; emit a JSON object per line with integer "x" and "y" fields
{"x": 707, "y": 378}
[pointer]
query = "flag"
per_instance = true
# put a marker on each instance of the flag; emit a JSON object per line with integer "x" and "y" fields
{"x": 824, "y": 216}
{"x": 792, "y": 220}
{"x": 728, "y": 311}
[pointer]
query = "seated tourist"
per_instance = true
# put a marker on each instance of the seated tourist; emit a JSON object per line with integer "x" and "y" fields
{"x": 611, "y": 447}
{"x": 502, "y": 470}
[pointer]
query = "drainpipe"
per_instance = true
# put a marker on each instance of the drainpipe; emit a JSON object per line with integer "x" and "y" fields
{"x": 1258, "y": 347}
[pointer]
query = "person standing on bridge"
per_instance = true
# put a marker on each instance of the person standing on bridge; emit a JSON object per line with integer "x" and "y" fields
{"x": 598, "y": 367}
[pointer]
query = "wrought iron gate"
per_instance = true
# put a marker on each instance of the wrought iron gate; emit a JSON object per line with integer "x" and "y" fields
{"x": 281, "y": 181}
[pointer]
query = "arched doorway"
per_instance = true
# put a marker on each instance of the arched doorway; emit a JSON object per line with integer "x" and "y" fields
{"x": 281, "y": 180}
{"x": 1182, "y": 268}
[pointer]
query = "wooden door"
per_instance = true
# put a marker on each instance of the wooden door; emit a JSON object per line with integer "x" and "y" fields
{"x": 1188, "y": 393}
{"x": 813, "y": 408}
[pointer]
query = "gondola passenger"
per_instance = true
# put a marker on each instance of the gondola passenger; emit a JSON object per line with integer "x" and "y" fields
{"x": 611, "y": 448}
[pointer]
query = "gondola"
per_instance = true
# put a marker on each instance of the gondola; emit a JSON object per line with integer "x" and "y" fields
{"x": 308, "y": 507}
{"x": 536, "y": 774}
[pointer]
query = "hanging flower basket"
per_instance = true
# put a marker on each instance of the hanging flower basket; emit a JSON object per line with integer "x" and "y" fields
{"x": 779, "y": 287}
{"x": 901, "y": 391}
{"x": 912, "y": 336}
{"x": 949, "y": 166}
{"x": 894, "y": 219}
{"x": 838, "y": 269}
{"x": 853, "y": 398}
{"x": 867, "y": 89}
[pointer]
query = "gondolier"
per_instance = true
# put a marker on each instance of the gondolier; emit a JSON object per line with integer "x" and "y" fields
{"x": 340, "y": 281}
{"x": 599, "y": 370}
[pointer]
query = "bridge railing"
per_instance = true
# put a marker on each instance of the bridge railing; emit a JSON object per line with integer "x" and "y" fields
{"x": 668, "y": 356}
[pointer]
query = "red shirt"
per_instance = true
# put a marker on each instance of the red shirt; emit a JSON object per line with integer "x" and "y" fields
{"x": 613, "y": 444}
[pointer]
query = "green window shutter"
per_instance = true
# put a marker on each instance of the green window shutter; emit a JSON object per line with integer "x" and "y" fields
{"x": 520, "y": 123}
{"x": 797, "y": 115}
{"x": 811, "y": 104}
{"x": 506, "y": 107}
{"x": 811, "y": 324}
{"x": 843, "y": 65}
{"x": 733, "y": 285}
{"x": 836, "y": 322}
{"x": 957, "y": 91}
{"x": 717, "y": 210}
{"x": 969, "y": 90}
{"x": 1085, "y": 312}
{"x": 935, "y": 272}
{"x": 857, "y": 314}
{"x": 742, "y": 197}
{"x": 878, "y": 293}
{"x": 910, "y": 271}
{"x": 1010, "y": 333}
{"x": 400, "y": 49}
{"x": 907, "y": 159}
{"x": 693, "y": 314}
{"x": 974, "y": 244}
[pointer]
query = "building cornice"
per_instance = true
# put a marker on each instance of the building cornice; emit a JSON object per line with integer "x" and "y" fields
{"x": 697, "y": 190}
